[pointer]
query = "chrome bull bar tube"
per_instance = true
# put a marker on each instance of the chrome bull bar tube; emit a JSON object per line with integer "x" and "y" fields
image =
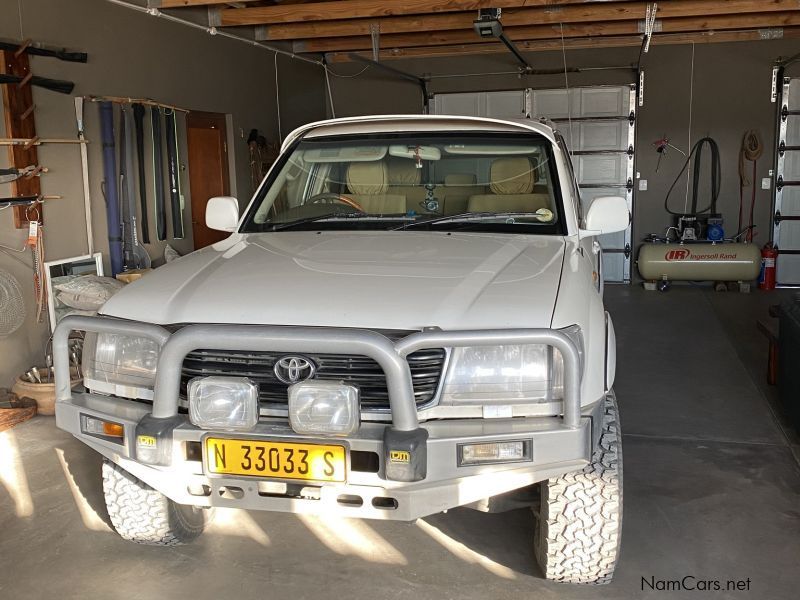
{"x": 96, "y": 325}
{"x": 286, "y": 339}
{"x": 391, "y": 357}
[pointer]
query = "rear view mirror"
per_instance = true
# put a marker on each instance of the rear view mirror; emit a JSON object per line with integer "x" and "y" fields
{"x": 421, "y": 152}
{"x": 607, "y": 214}
{"x": 222, "y": 213}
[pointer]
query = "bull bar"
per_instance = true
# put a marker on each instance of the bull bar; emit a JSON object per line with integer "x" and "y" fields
{"x": 445, "y": 484}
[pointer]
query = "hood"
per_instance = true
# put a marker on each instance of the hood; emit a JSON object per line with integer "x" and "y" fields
{"x": 376, "y": 280}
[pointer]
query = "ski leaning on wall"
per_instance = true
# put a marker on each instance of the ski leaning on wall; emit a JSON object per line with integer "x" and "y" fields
{"x": 176, "y": 197}
{"x": 135, "y": 256}
{"x": 110, "y": 186}
{"x": 158, "y": 174}
{"x": 138, "y": 119}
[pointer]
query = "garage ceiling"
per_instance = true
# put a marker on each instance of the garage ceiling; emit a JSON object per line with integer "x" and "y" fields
{"x": 427, "y": 28}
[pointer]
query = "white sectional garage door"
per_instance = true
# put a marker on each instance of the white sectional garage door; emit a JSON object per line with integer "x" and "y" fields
{"x": 598, "y": 124}
{"x": 786, "y": 219}
{"x": 502, "y": 105}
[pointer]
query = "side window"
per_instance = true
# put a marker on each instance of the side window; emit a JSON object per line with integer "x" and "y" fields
{"x": 577, "y": 191}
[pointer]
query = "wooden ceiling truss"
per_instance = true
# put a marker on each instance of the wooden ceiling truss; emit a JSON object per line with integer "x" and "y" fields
{"x": 341, "y": 30}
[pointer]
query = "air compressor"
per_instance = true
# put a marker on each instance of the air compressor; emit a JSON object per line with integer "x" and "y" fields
{"x": 695, "y": 248}
{"x": 699, "y": 261}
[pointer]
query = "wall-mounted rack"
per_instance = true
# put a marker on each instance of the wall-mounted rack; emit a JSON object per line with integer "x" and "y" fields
{"x": 126, "y": 100}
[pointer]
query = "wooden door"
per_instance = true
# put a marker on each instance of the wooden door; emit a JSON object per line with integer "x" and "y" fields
{"x": 206, "y": 139}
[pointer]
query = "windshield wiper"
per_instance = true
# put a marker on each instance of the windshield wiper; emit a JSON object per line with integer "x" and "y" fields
{"x": 297, "y": 222}
{"x": 471, "y": 216}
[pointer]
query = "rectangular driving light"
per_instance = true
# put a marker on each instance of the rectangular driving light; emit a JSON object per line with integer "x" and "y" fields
{"x": 494, "y": 453}
{"x": 105, "y": 430}
{"x": 228, "y": 403}
{"x": 324, "y": 407}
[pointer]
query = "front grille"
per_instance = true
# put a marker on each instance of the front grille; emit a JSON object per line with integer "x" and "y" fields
{"x": 425, "y": 365}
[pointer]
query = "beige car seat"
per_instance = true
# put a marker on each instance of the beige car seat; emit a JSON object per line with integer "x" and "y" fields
{"x": 512, "y": 182}
{"x": 406, "y": 179}
{"x": 368, "y": 184}
{"x": 458, "y": 188}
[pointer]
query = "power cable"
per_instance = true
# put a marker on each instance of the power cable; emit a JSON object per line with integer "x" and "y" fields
{"x": 328, "y": 70}
{"x": 751, "y": 150}
{"x": 278, "y": 99}
{"x": 566, "y": 84}
{"x": 330, "y": 93}
{"x": 691, "y": 109}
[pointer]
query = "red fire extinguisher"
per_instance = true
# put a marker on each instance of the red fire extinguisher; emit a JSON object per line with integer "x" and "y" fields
{"x": 769, "y": 256}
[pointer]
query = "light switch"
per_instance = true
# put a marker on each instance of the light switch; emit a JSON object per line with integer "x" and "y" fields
{"x": 642, "y": 185}
{"x": 766, "y": 183}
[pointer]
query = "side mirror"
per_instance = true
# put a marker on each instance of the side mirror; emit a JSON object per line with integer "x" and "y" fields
{"x": 222, "y": 213}
{"x": 607, "y": 214}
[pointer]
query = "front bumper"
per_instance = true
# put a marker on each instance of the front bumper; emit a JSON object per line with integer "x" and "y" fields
{"x": 558, "y": 444}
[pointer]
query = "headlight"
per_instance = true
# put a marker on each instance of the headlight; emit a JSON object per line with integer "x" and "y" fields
{"x": 511, "y": 373}
{"x": 120, "y": 365}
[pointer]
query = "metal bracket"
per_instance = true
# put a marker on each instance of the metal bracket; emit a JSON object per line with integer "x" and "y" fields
{"x": 774, "y": 93}
{"x": 641, "y": 88}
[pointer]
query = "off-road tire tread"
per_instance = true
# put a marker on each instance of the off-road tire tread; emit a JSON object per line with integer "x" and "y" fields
{"x": 145, "y": 516}
{"x": 580, "y": 519}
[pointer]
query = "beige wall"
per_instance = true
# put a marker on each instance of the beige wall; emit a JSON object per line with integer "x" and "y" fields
{"x": 133, "y": 54}
{"x": 730, "y": 95}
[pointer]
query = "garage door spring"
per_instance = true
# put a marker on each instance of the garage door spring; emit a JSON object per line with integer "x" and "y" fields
{"x": 697, "y": 153}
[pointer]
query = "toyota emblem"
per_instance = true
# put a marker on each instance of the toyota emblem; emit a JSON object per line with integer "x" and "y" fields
{"x": 291, "y": 369}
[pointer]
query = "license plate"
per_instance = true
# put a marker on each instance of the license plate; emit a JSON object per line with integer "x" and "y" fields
{"x": 284, "y": 460}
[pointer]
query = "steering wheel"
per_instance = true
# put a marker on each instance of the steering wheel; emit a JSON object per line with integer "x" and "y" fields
{"x": 333, "y": 198}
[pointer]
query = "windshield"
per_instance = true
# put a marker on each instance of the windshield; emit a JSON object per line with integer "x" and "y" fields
{"x": 475, "y": 182}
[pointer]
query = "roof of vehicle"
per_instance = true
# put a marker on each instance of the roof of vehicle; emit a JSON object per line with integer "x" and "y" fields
{"x": 414, "y": 123}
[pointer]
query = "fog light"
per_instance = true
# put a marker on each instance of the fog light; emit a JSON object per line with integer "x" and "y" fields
{"x": 223, "y": 403}
{"x": 324, "y": 407}
{"x": 107, "y": 430}
{"x": 494, "y": 452}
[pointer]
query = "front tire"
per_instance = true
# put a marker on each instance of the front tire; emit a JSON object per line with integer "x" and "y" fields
{"x": 143, "y": 515}
{"x": 580, "y": 519}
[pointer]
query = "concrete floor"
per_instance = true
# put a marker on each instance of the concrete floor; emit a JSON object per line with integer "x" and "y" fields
{"x": 712, "y": 490}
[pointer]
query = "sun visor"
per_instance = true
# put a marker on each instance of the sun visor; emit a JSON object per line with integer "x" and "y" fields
{"x": 491, "y": 150}
{"x": 344, "y": 154}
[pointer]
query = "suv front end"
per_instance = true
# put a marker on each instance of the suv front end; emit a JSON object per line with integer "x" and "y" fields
{"x": 402, "y": 469}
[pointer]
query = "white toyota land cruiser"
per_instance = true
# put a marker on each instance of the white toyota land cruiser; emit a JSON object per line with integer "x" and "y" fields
{"x": 408, "y": 318}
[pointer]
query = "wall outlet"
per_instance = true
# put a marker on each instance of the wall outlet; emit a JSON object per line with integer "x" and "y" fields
{"x": 766, "y": 183}
{"x": 642, "y": 185}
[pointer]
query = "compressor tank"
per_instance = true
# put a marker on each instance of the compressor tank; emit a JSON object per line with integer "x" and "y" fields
{"x": 699, "y": 261}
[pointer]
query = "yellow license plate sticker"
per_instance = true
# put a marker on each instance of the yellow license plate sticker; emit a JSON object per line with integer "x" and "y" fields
{"x": 283, "y": 460}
